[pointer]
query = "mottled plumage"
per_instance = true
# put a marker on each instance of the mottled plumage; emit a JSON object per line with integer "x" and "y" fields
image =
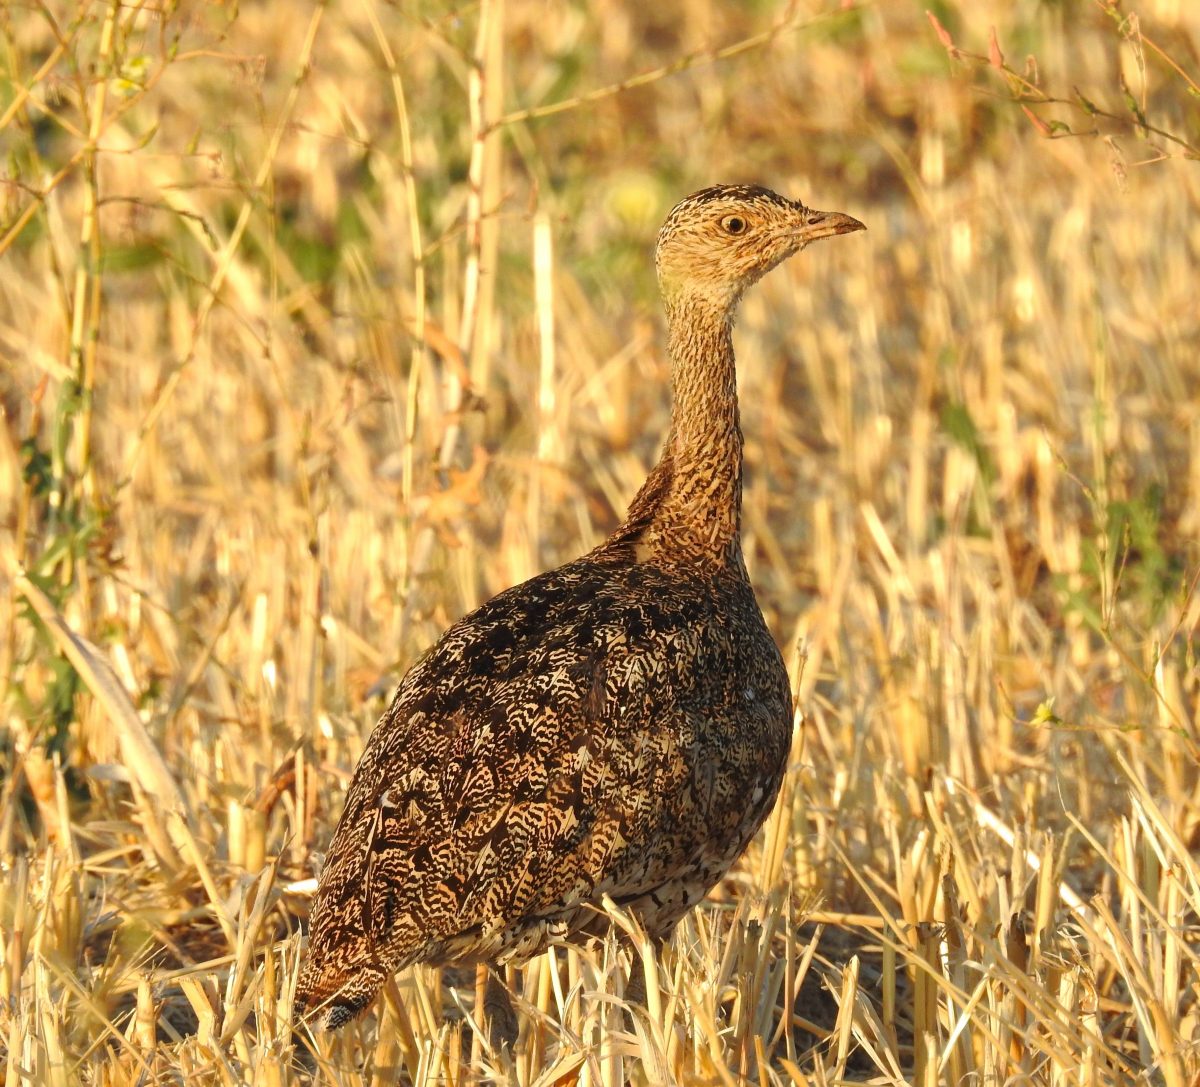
{"x": 616, "y": 726}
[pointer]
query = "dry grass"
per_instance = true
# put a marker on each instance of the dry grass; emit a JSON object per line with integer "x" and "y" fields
{"x": 313, "y": 339}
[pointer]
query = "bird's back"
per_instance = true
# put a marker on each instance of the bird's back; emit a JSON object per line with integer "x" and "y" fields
{"x": 610, "y": 727}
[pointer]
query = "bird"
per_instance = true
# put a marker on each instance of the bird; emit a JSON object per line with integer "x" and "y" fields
{"x": 617, "y": 727}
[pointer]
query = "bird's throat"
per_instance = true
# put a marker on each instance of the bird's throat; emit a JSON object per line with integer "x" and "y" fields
{"x": 691, "y": 504}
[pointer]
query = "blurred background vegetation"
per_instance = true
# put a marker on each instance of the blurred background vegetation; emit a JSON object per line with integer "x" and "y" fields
{"x": 320, "y": 323}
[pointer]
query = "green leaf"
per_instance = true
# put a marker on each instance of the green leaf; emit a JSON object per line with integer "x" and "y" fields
{"x": 957, "y": 424}
{"x": 130, "y": 258}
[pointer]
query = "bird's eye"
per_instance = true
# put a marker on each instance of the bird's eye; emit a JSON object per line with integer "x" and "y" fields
{"x": 734, "y": 224}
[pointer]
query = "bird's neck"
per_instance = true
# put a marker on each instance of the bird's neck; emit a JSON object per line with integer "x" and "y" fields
{"x": 690, "y": 506}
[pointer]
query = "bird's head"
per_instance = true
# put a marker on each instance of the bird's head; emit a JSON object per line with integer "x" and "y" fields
{"x": 718, "y": 241}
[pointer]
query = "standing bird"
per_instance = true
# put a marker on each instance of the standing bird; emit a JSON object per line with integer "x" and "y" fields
{"x": 618, "y": 726}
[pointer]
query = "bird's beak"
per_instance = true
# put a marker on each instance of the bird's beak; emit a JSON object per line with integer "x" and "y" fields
{"x": 825, "y": 224}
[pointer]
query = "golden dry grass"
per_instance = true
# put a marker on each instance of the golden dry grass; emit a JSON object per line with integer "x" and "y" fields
{"x": 313, "y": 339}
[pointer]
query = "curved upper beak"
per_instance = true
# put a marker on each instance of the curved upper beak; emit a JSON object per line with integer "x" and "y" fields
{"x": 825, "y": 224}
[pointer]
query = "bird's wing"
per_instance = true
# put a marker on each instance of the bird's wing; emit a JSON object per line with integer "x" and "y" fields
{"x": 536, "y": 758}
